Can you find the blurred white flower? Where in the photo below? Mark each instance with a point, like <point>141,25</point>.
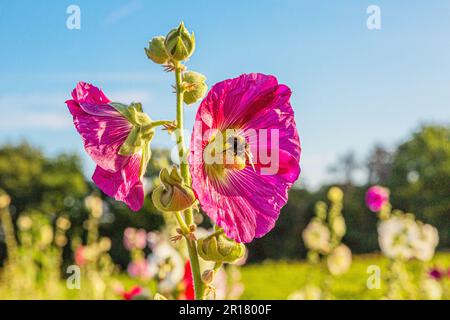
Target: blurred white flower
<point>316,236</point>
<point>340,260</point>
<point>167,265</point>
<point>426,242</point>
<point>153,238</point>
<point>308,293</point>
<point>432,289</point>
<point>403,237</point>
<point>395,236</point>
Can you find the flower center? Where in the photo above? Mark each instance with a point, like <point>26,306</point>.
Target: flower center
<point>226,151</point>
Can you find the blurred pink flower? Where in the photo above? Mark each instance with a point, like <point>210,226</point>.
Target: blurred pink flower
<point>139,269</point>
<point>79,256</point>
<point>244,197</point>
<point>104,129</point>
<point>437,273</point>
<point>376,198</point>
<point>133,238</point>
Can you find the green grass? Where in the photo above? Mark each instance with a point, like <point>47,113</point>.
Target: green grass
<point>276,280</point>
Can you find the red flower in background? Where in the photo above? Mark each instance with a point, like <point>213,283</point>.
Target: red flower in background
<point>132,293</point>
<point>188,282</point>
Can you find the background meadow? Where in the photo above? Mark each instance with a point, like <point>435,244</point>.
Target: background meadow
<point>371,106</point>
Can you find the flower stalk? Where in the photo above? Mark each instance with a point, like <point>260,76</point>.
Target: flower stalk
<point>7,224</point>
<point>188,213</point>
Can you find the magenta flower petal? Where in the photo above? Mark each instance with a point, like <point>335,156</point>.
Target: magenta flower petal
<point>88,94</point>
<point>104,130</point>
<point>246,202</point>
<point>123,185</point>
<point>376,198</point>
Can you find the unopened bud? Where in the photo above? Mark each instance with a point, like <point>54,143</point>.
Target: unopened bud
<point>179,43</point>
<point>60,240</point>
<point>195,87</point>
<point>5,200</point>
<point>173,194</point>
<point>105,244</point>
<point>24,223</point>
<point>156,50</point>
<point>46,235</point>
<point>94,205</point>
<point>338,226</point>
<point>219,248</point>
<point>63,223</point>
<point>335,194</point>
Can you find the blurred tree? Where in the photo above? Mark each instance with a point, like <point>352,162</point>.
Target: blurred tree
<point>379,165</point>
<point>35,182</point>
<point>56,186</point>
<point>420,181</point>
<point>285,240</point>
<point>345,168</point>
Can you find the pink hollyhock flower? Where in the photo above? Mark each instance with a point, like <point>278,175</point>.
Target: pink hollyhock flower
<point>246,125</point>
<point>139,269</point>
<point>133,238</point>
<point>117,138</point>
<point>376,198</point>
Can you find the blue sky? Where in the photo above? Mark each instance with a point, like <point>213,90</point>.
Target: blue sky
<point>352,87</point>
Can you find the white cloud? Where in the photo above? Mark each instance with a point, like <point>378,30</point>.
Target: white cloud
<point>47,111</point>
<point>92,77</point>
<point>131,96</point>
<point>122,12</point>
<point>314,169</point>
<point>28,121</point>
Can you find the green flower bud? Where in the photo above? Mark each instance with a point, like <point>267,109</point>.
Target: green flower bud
<point>179,44</point>
<point>335,194</point>
<point>156,50</point>
<point>24,223</point>
<point>219,248</point>
<point>173,194</point>
<point>5,200</point>
<point>63,223</point>
<point>195,86</point>
<point>338,226</point>
<point>94,205</point>
<point>320,209</point>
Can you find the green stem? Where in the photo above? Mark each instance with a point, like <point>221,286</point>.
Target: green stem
<point>181,222</point>
<point>189,216</point>
<point>217,266</point>
<point>8,230</point>
<point>158,123</point>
